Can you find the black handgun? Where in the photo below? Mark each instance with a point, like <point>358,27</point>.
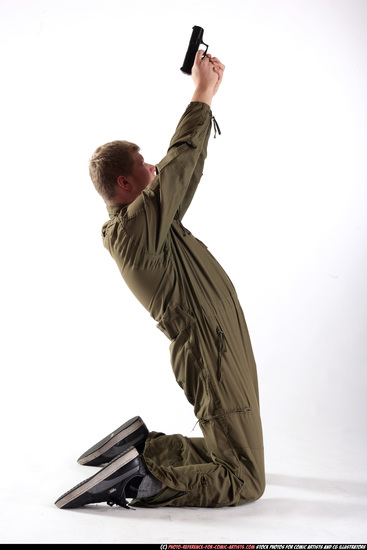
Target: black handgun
<point>195,41</point>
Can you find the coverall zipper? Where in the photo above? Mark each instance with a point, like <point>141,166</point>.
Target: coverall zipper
<point>221,350</point>
<point>204,489</point>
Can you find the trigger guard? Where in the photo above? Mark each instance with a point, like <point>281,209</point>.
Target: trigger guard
<point>207,46</point>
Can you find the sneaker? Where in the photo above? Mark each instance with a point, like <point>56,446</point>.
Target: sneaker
<point>107,485</point>
<point>133,433</point>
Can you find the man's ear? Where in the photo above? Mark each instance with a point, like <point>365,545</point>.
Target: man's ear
<point>123,183</point>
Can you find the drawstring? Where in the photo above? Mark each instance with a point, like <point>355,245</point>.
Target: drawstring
<point>216,127</point>
<point>222,415</point>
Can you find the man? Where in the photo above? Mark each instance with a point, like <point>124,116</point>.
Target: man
<point>195,304</point>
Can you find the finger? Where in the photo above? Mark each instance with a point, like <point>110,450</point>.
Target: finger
<point>206,58</point>
<point>219,73</point>
<point>199,55</point>
<point>218,69</point>
<point>217,63</point>
<point>216,60</point>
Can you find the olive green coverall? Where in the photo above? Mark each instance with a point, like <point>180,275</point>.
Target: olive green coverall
<point>192,299</point>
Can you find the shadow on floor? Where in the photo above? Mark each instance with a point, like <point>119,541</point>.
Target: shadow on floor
<point>319,485</point>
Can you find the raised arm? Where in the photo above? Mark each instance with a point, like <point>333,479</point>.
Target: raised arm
<point>179,172</point>
<point>207,75</point>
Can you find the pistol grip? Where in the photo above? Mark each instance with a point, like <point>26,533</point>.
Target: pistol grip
<point>195,41</point>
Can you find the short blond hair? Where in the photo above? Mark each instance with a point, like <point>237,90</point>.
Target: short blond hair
<point>108,162</point>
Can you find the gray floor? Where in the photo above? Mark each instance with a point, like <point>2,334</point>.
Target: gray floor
<point>309,498</point>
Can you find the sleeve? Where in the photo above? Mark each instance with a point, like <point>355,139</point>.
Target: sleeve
<point>178,175</point>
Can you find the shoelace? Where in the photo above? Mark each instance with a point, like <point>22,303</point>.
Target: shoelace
<point>119,502</point>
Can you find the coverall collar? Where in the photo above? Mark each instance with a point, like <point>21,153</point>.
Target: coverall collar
<point>114,209</point>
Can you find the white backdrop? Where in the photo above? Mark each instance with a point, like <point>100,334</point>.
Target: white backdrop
<point>282,205</point>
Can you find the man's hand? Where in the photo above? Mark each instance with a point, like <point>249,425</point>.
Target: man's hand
<point>207,74</point>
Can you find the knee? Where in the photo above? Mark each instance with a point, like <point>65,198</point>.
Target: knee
<point>253,488</point>
<point>260,487</point>
<point>258,481</point>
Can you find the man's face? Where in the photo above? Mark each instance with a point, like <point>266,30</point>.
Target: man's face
<point>143,173</point>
